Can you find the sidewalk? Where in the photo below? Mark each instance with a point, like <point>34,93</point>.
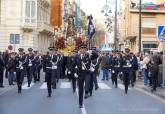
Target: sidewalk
<point>160,92</point>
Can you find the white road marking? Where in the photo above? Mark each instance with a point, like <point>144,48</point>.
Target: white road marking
<point>83,110</point>
<point>121,86</point>
<point>25,86</point>
<point>43,86</point>
<point>65,85</point>
<point>103,86</point>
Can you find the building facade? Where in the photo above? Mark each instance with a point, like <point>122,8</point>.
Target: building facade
<point>151,19</point>
<point>25,23</point>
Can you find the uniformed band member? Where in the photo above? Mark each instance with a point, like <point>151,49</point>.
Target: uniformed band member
<point>38,65</point>
<point>2,65</point>
<point>83,63</point>
<point>54,60</point>
<point>49,66</point>
<point>127,67</point>
<point>30,66</point>
<point>94,67</point>
<point>20,68</point>
<point>73,69</point>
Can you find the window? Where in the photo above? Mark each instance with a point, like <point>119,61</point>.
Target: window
<point>30,11</point>
<point>14,39</point>
<point>147,46</point>
<point>149,26</point>
<point>33,9</point>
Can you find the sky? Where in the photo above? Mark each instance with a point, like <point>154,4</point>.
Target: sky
<point>94,7</point>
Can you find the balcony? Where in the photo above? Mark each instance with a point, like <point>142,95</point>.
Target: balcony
<point>45,28</point>
<point>148,8</point>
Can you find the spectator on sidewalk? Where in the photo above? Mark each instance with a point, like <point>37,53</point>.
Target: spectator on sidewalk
<point>11,69</point>
<point>154,69</point>
<point>144,67</point>
<point>105,66</point>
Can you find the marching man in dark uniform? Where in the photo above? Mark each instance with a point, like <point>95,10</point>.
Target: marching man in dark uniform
<point>94,69</point>
<point>72,68</point>
<point>49,66</point>
<point>2,65</point>
<point>127,66</point>
<point>54,60</point>
<point>20,68</point>
<point>30,66</point>
<point>83,63</point>
<point>38,66</point>
<point>116,67</point>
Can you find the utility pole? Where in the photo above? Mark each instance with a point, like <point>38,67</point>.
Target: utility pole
<point>115,28</point>
<point>140,24</point>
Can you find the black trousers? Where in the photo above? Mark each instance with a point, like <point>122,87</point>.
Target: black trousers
<point>126,80</point>
<point>38,72</point>
<point>154,78</point>
<point>1,77</point>
<point>20,78</point>
<point>54,78</point>
<point>93,81</point>
<point>49,81</point>
<point>133,76</point>
<point>73,81</point>
<point>84,78</point>
<point>29,74</point>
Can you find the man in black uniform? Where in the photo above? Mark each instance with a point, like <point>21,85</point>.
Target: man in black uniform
<point>94,69</point>
<point>72,68</point>
<point>127,69</point>
<point>54,60</point>
<point>48,61</point>
<point>30,66</point>
<point>2,65</point>
<point>115,68</point>
<point>21,60</point>
<point>83,63</point>
<point>38,65</point>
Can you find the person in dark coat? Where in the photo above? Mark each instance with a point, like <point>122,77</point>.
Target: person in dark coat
<point>2,65</point>
<point>11,67</point>
<point>154,69</point>
<point>6,59</point>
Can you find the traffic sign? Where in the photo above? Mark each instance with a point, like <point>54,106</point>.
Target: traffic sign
<point>161,32</point>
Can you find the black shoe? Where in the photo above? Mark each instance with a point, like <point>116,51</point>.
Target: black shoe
<point>116,86</point>
<point>49,95</point>
<point>97,88</point>
<point>103,79</point>
<point>28,85</point>
<point>86,96</point>
<point>19,91</point>
<point>90,94</point>
<point>1,86</point>
<point>107,79</point>
<point>74,90</point>
<point>80,106</point>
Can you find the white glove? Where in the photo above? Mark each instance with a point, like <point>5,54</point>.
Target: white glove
<point>75,75</point>
<point>69,72</point>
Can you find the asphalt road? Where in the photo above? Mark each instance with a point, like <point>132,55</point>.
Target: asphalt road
<point>106,100</point>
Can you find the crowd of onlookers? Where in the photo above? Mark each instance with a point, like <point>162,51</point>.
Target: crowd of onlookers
<point>149,65</point>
